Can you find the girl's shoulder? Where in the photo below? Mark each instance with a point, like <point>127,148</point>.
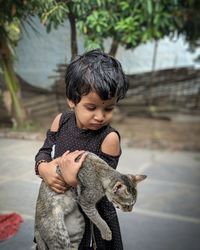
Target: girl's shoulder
<point>66,116</point>
<point>109,131</point>
<point>60,120</point>
<point>110,149</point>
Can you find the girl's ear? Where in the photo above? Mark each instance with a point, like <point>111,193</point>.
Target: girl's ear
<point>71,104</point>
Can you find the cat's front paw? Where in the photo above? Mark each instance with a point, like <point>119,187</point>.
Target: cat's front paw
<point>107,234</point>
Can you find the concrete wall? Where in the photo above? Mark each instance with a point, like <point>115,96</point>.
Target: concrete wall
<point>39,53</point>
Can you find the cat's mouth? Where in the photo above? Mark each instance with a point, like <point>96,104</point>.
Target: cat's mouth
<point>124,207</point>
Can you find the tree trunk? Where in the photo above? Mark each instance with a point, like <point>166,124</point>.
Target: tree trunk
<point>72,21</point>
<point>151,83</point>
<point>114,47</point>
<point>154,55</point>
<point>18,111</point>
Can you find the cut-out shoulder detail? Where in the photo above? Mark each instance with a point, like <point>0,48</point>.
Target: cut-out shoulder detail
<point>111,144</point>
<point>55,123</point>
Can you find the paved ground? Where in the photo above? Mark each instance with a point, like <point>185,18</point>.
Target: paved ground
<point>166,215</point>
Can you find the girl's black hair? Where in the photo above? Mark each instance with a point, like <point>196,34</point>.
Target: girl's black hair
<point>95,71</point>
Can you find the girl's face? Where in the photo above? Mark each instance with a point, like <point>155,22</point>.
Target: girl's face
<point>92,112</point>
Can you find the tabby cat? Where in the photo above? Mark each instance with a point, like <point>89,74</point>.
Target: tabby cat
<point>59,225</point>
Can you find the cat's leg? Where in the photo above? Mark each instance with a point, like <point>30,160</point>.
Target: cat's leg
<point>59,235</point>
<point>75,225</point>
<point>95,217</point>
<point>40,243</point>
<point>74,246</point>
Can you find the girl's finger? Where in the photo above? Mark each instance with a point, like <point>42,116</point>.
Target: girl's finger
<point>60,182</point>
<point>82,157</point>
<point>62,158</point>
<point>60,178</point>
<point>66,153</point>
<point>59,187</point>
<point>57,190</point>
<point>78,155</point>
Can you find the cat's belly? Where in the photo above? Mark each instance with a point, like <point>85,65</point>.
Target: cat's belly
<point>73,218</point>
<point>75,224</point>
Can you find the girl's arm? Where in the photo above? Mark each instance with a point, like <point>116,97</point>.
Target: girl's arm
<point>44,154</point>
<point>47,171</point>
<point>69,168</point>
<point>111,149</point>
<point>111,144</point>
<point>69,165</point>
<point>46,167</point>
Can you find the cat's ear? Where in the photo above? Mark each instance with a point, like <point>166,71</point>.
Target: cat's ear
<point>137,178</point>
<point>119,187</point>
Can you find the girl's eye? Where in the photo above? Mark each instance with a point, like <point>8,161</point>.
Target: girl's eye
<point>90,108</point>
<point>109,109</point>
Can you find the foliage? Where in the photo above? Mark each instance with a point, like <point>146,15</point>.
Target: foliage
<point>189,27</point>
<point>128,22</point>
<point>53,13</point>
<point>12,14</point>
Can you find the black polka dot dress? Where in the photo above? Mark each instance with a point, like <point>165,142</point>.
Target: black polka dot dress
<point>70,137</point>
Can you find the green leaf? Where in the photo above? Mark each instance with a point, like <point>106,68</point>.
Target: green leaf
<point>149,7</point>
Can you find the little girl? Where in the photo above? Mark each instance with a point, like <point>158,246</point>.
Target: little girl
<point>95,82</point>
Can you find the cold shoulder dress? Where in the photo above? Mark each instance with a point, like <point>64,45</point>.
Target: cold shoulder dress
<point>70,137</point>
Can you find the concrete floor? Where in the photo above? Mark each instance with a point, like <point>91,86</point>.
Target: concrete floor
<point>167,212</point>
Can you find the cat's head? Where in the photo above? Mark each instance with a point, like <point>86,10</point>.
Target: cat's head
<point>124,193</point>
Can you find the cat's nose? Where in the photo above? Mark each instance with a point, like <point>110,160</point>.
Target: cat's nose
<point>130,208</point>
<point>127,208</point>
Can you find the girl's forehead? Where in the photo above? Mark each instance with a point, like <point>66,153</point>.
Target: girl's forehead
<point>92,97</point>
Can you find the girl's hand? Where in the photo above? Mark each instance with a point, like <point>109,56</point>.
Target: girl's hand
<point>47,171</point>
<point>69,164</point>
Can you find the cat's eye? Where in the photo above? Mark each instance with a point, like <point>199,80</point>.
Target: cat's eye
<point>118,186</point>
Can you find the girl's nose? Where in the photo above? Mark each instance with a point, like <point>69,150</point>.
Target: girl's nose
<point>99,116</point>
